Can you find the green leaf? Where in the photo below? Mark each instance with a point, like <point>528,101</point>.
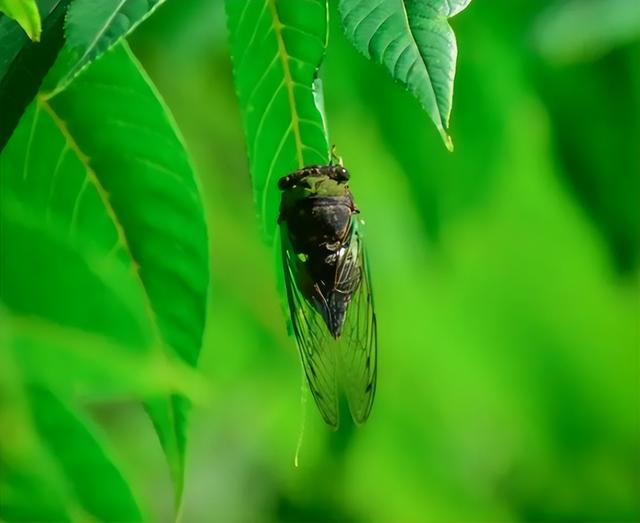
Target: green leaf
<point>49,357</point>
<point>277,47</point>
<point>51,267</point>
<point>582,29</point>
<point>76,363</point>
<point>94,479</point>
<point>91,28</point>
<point>23,63</point>
<point>127,199</point>
<point>26,13</point>
<point>414,41</point>
<point>31,491</point>
<point>56,468</point>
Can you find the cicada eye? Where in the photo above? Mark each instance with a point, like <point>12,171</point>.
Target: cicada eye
<point>285,183</point>
<point>342,175</point>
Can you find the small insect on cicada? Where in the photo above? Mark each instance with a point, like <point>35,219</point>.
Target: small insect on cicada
<point>329,289</point>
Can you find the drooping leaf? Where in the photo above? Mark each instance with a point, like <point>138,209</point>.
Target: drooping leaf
<point>277,47</point>
<point>53,466</point>
<point>76,363</point>
<point>93,478</point>
<point>31,491</point>
<point>127,197</point>
<point>72,363</point>
<point>414,41</point>
<point>26,13</point>
<point>457,184</point>
<point>23,63</point>
<point>91,28</point>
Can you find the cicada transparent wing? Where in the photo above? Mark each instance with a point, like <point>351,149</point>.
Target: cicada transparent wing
<point>315,344</point>
<point>358,344</point>
<point>351,360</point>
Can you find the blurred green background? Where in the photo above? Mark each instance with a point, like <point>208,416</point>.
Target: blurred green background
<point>506,280</point>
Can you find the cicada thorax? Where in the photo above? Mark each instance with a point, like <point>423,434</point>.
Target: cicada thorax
<point>319,222</point>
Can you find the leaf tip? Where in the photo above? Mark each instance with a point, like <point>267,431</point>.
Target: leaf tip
<point>34,32</point>
<point>178,491</point>
<point>27,17</point>
<point>448,142</point>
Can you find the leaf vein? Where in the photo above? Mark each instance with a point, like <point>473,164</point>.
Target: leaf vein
<point>276,155</point>
<point>27,154</point>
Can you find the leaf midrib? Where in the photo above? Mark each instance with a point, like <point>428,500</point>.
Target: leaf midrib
<point>405,14</point>
<point>289,83</point>
<point>103,28</point>
<point>43,101</point>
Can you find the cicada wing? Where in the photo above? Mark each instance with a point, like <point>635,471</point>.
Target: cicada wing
<point>358,347</point>
<point>315,344</point>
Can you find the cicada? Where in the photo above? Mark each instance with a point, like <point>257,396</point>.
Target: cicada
<point>329,289</point>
